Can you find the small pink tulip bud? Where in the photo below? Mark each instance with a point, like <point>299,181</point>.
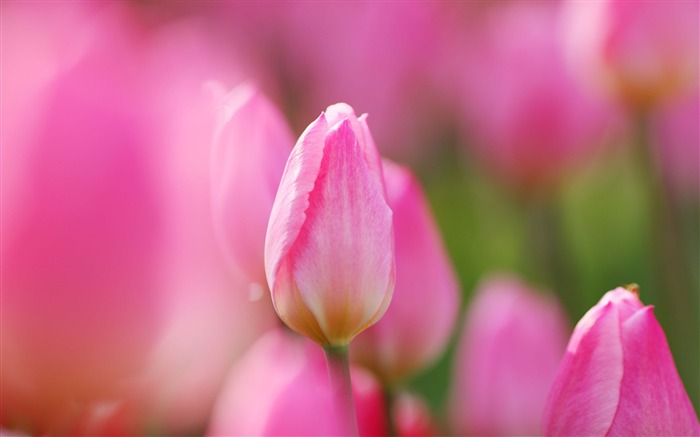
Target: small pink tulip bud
<point>641,51</point>
<point>618,376</point>
<point>280,387</point>
<point>508,356</point>
<point>417,325</point>
<point>329,252</point>
<point>251,146</point>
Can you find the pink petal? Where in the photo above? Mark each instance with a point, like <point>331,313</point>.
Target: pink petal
<point>586,392</point>
<point>652,398</point>
<point>347,215</point>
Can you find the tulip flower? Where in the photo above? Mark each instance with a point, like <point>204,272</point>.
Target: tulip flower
<point>329,251</point>
<point>280,387</point>
<point>420,319</point>
<point>251,146</point>
<point>83,233</point>
<point>641,51</point>
<point>507,358</point>
<point>412,417</point>
<point>618,376</point>
<point>526,115</point>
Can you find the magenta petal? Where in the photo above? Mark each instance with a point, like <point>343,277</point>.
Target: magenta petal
<point>586,392</point>
<point>652,399</point>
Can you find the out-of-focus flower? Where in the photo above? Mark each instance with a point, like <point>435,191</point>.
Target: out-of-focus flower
<point>420,319</point>
<point>618,376</point>
<point>525,114</point>
<point>281,387</point>
<point>329,250</point>
<point>412,417</point>
<point>508,356</point>
<point>677,142</point>
<point>119,312</point>
<point>82,230</point>
<point>641,51</point>
<point>251,147</point>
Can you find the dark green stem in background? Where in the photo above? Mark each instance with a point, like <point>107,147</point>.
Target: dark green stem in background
<point>545,254</point>
<point>389,398</point>
<point>338,363</point>
<point>675,290</point>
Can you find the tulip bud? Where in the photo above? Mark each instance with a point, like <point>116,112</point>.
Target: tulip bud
<point>281,387</point>
<point>251,145</point>
<point>424,308</point>
<point>641,51</point>
<point>329,251</point>
<point>618,376</point>
<point>508,356</point>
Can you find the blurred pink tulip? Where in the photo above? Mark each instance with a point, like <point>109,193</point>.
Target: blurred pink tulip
<point>329,250</point>
<point>507,359</point>
<point>412,417</point>
<point>251,147</point>
<point>280,387</point>
<point>416,327</point>
<point>84,229</point>
<point>618,376</point>
<point>676,136</point>
<point>641,51</point>
<point>526,116</point>
<point>118,311</point>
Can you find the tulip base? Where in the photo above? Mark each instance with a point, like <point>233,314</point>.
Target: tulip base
<point>338,363</point>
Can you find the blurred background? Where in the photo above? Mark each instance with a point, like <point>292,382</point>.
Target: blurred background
<point>556,142</point>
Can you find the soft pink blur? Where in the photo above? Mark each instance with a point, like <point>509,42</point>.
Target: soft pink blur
<point>416,327</point>
<point>329,250</point>
<point>113,284</point>
<point>525,116</point>
<point>412,417</point>
<point>507,358</point>
<point>618,376</point>
<point>251,147</point>
<point>640,51</point>
<point>676,136</point>
<point>280,387</point>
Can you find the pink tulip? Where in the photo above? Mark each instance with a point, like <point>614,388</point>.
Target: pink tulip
<point>420,319</point>
<point>526,116</point>
<point>618,376</point>
<point>511,345</point>
<point>251,147</point>
<point>412,417</point>
<point>329,251</point>
<point>119,313</point>
<point>281,387</point>
<point>83,232</point>
<point>641,51</point>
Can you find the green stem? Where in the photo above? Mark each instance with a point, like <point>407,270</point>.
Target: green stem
<point>338,363</point>
<point>676,290</point>
<point>389,399</point>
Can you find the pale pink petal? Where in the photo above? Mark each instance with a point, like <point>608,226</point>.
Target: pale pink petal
<point>347,215</point>
<point>251,147</point>
<point>289,210</point>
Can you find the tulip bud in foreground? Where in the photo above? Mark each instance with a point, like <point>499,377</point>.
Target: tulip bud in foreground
<point>618,376</point>
<point>329,251</point>
<point>280,387</point>
<point>418,324</point>
<point>507,359</point>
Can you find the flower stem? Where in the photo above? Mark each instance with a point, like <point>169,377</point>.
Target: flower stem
<point>338,363</point>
